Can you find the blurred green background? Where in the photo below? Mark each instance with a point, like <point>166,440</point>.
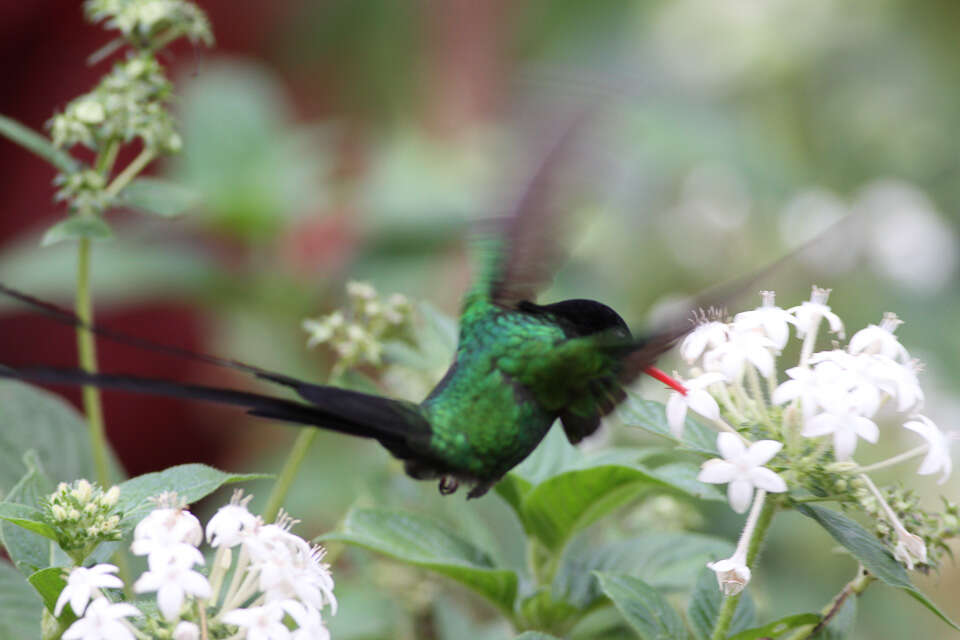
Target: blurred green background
<point>341,140</point>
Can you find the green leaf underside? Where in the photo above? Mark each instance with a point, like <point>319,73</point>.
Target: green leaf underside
<point>159,197</point>
<point>666,561</point>
<point>643,607</point>
<point>705,605</point>
<point>568,502</point>
<point>49,583</point>
<point>777,628</point>
<point>422,542</point>
<point>37,143</point>
<point>651,416</point>
<point>20,606</point>
<point>870,552</point>
<point>75,227</point>
<point>30,518</point>
<point>190,481</point>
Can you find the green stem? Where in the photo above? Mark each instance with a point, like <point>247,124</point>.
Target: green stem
<point>288,473</point>
<point>130,172</point>
<point>853,588</point>
<point>87,355</point>
<point>767,508</point>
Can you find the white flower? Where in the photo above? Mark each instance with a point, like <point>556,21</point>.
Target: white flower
<point>743,469</point>
<point>81,585</point>
<point>696,398</point>
<point>705,335</point>
<point>880,339</point>
<point>938,456</point>
<point>186,631</point>
<point>809,313</point>
<point>261,623</point>
<point>733,574</point>
<point>165,527</point>
<point>310,625</point>
<point>842,419</point>
<point>769,319</point>
<point>289,568</point>
<point>227,526</point>
<point>172,577</point>
<point>897,380</point>
<point>103,621</point>
<point>731,357</point>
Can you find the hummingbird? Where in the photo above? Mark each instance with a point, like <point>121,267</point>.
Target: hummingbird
<point>519,366</point>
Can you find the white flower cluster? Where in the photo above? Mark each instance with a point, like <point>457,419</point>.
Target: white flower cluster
<point>275,574</point>
<point>812,420</point>
<point>357,336</point>
<point>83,515</point>
<point>138,20</point>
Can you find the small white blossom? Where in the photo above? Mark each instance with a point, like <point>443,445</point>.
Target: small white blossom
<point>842,419</point>
<point>731,357</point>
<point>81,585</point>
<point>742,469</point>
<point>938,456</point>
<point>260,623</point>
<point>172,577</point>
<point>696,398</point>
<point>706,335</point>
<point>186,631</point>
<point>733,574</point>
<point>880,339</point>
<point>103,621</point>
<point>309,624</point>
<point>910,549</point>
<point>809,313</point>
<point>227,527</point>
<point>769,319</point>
<point>165,527</point>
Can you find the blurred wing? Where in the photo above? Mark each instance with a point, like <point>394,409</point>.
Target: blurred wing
<point>532,240</point>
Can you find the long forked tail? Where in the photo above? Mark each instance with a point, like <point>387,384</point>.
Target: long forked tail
<point>67,317</point>
<point>393,423</point>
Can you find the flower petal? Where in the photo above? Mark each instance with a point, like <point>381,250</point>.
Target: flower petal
<point>717,471</point>
<point>676,413</point>
<point>730,445</point>
<point>763,478</point>
<point>762,451</point>
<point>740,493</point>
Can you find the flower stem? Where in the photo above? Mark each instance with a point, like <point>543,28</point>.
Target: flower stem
<point>288,473</point>
<point>130,172</point>
<point>87,355</point>
<point>889,462</point>
<point>758,522</point>
<point>853,588</point>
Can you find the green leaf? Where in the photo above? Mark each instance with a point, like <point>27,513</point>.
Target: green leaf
<point>778,627</point>
<point>93,227</point>
<point>667,561</point>
<point>513,489</point>
<point>542,610</point>
<point>422,542</point>
<point>20,606</point>
<point>30,518</point>
<point>643,607</point>
<point>49,583</point>
<point>553,456</point>
<point>535,635</point>
<point>871,553</point>
<point>651,416</point>
<point>34,419</point>
<point>570,501</point>
<point>705,605</point>
<point>160,197</point>
<point>190,481</point>
<point>28,551</point>
<point>38,144</point>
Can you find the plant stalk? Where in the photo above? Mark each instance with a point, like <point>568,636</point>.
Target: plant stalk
<point>288,473</point>
<point>760,527</point>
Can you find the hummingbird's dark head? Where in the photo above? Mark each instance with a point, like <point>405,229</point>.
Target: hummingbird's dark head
<point>584,317</point>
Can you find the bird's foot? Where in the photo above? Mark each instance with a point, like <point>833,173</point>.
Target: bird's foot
<point>448,484</point>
